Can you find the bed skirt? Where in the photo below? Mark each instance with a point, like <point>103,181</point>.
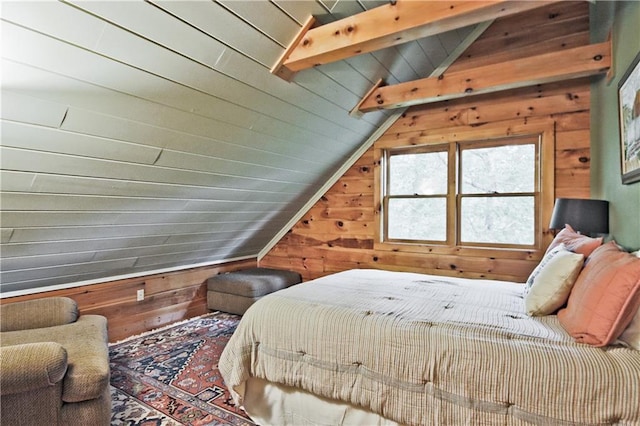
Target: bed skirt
<point>275,404</point>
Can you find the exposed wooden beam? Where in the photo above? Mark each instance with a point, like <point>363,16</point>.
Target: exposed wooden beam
<point>278,68</point>
<point>450,59</point>
<point>355,112</point>
<point>398,22</point>
<point>612,72</point>
<point>546,68</point>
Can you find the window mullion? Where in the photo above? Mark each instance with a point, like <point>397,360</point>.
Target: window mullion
<point>453,217</point>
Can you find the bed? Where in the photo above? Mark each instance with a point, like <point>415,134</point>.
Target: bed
<point>381,347</point>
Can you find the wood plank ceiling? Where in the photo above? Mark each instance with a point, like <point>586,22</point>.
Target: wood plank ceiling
<point>139,136</point>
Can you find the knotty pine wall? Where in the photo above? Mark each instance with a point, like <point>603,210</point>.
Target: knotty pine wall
<point>337,233</point>
<point>168,298</point>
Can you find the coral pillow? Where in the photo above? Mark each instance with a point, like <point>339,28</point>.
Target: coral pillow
<point>575,242</point>
<point>604,298</point>
<point>549,285</point>
<point>631,335</point>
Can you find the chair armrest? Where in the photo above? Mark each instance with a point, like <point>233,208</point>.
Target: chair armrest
<point>88,372</point>
<point>31,366</point>
<point>38,313</point>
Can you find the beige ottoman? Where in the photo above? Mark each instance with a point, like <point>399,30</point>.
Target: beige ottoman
<point>235,291</point>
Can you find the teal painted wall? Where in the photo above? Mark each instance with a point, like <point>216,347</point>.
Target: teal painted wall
<point>606,184</point>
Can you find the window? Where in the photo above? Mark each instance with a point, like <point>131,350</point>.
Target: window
<point>416,195</point>
<point>497,193</point>
<point>466,193</point>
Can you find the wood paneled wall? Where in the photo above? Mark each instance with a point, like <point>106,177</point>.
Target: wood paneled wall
<point>338,231</point>
<point>168,298</point>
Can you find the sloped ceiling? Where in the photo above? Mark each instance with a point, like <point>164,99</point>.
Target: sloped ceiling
<point>140,136</point>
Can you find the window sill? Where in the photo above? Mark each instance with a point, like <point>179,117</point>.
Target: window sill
<point>535,254</point>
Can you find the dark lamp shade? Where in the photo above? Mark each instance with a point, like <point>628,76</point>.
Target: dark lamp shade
<point>585,216</point>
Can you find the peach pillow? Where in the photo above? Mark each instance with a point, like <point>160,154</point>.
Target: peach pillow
<point>631,335</point>
<point>575,242</point>
<point>604,298</point>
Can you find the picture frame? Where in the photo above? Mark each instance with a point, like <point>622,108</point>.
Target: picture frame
<point>629,114</point>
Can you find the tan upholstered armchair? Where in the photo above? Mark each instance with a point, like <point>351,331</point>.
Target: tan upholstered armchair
<point>54,364</point>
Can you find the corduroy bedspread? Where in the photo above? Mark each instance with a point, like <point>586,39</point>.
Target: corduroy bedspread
<point>431,350</point>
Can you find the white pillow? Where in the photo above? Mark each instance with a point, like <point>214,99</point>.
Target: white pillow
<point>631,335</point>
<point>549,285</point>
<point>636,253</point>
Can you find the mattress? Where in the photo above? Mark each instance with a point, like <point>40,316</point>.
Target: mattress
<point>420,349</point>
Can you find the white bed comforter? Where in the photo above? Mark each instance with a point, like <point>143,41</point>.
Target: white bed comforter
<point>421,349</point>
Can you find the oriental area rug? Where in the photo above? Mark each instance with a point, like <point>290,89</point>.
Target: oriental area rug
<point>170,376</point>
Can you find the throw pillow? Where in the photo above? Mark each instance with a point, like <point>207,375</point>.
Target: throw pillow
<point>604,298</point>
<point>550,283</point>
<point>631,335</point>
<point>575,242</point>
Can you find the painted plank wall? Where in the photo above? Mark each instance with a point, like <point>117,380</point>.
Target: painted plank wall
<point>337,233</point>
<point>139,136</point>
